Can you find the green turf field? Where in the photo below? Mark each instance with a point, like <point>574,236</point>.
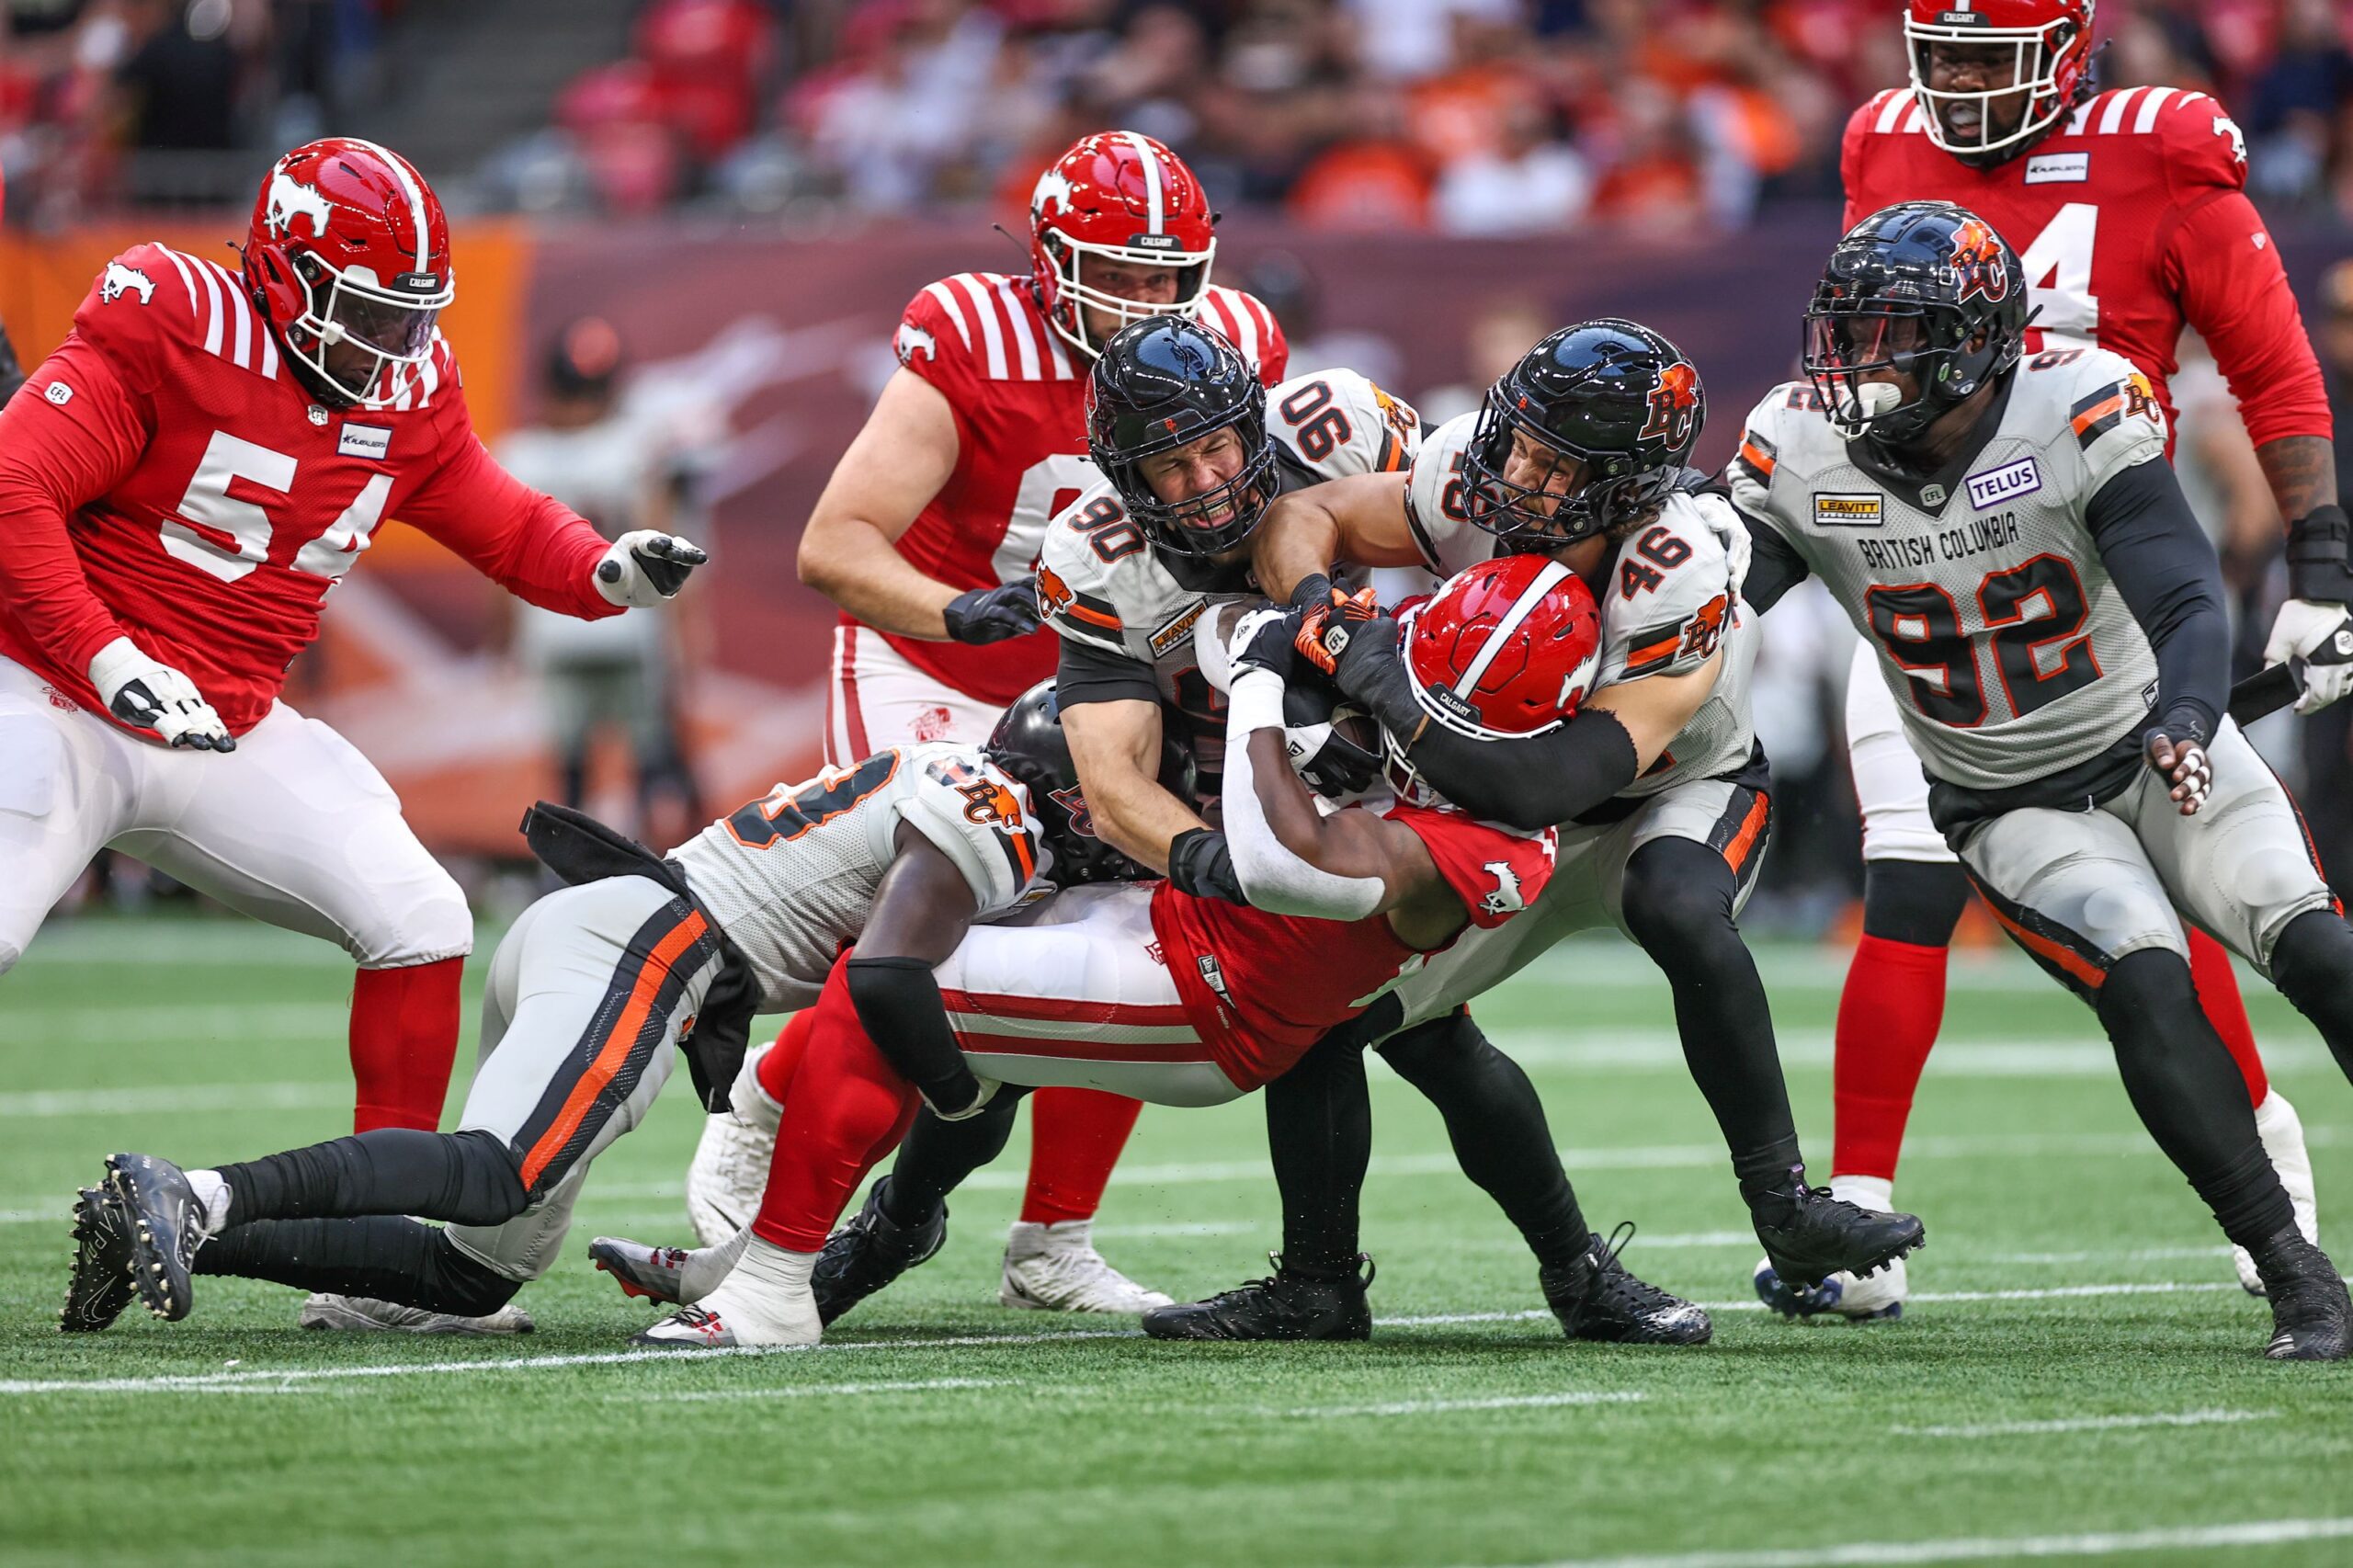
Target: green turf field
<point>2079,1375</point>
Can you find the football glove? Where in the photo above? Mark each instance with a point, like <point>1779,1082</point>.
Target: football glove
<point>2184,764</point>
<point>644,567</point>
<point>1201,864</point>
<point>1263,640</point>
<point>1325,629</point>
<point>992,615</point>
<point>137,690</point>
<point>2322,636</point>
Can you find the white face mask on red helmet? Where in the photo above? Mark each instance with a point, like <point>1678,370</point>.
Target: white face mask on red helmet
<point>349,250</point>
<point>1120,198</point>
<point>2050,47</point>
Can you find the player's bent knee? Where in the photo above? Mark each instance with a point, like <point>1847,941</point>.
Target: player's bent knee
<point>456,1283</point>
<point>1425,1048</point>
<point>490,1175</point>
<point>1915,902</point>
<point>1679,895</point>
<point>433,925</point>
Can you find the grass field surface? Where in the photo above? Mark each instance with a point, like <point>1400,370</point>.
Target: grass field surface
<point>2078,1376</point>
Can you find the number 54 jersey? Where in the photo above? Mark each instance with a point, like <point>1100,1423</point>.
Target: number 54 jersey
<point>2010,653</point>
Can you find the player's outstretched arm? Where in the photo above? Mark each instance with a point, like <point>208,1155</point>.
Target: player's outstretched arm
<point>921,911</point>
<point>1360,519</point>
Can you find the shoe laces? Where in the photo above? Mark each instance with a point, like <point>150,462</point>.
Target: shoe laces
<point>1621,1286</point>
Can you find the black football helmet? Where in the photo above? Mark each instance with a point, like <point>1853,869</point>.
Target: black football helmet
<point>1165,382</point>
<point>1613,395</point>
<point>1029,744</point>
<point>1923,289</point>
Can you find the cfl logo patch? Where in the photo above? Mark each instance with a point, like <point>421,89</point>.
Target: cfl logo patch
<point>58,394</point>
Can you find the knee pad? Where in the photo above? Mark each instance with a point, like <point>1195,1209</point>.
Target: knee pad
<point>1677,893</point>
<point>1915,902</point>
<point>461,1285</point>
<point>424,920</point>
<point>2314,951</point>
<point>2152,982</point>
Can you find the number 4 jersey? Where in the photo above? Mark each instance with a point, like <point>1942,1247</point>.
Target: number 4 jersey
<point>2010,653</point>
<point>165,477</point>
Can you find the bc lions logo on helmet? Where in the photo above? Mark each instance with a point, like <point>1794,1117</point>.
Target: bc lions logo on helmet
<point>289,199</point>
<point>1977,261</point>
<point>1675,404</point>
<point>1082,817</point>
<point>120,280</point>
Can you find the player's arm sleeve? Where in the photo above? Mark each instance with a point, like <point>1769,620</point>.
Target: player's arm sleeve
<point>55,458</point>
<point>1274,877</point>
<point>1085,673</point>
<point>2164,567</point>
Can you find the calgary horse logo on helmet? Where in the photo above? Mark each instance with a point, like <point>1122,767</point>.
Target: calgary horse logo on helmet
<point>1977,261</point>
<point>1675,404</point>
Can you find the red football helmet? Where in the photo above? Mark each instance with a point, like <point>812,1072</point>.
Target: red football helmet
<point>2050,42</point>
<point>1125,198</point>
<point>1505,650</point>
<point>348,245</point>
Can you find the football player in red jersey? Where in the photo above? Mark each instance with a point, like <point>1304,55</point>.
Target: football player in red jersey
<point>927,536</point>
<point>184,479</point>
<point>2128,209</point>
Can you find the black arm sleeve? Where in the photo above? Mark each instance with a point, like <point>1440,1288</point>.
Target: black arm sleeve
<point>2166,571</point>
<point>1526,784</point>
<point>1774,566</point>
<point>1084,674</point>
<point>899,1006</point>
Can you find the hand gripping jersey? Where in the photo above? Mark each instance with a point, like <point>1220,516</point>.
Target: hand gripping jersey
<point>1103,585</point>
<point>790,877</point>
<point>2010,653</point>
<point>1262,988</point>
<point>2131,219</point>
<point>1665,599</point>
<point>1018,394</point>
<point>209,503</point>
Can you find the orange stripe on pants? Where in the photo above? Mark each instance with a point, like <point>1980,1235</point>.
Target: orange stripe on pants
<point>2074,963</point>
<point>1736,852</point>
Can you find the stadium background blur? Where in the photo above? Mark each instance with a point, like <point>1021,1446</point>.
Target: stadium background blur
<point>749,193</point>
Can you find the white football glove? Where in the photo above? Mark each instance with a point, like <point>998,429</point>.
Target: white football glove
<point>2321,635</point>
<point>137,690</point>
<point>644,567</point>
<point>1725,522</point>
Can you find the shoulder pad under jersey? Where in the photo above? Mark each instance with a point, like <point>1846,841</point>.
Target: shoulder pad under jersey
<point>1336,423</point>
<point>1449,541</point>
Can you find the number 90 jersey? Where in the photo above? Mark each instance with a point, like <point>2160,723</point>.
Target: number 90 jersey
<point>790,877</point>
<point>2010,653</point>
<point>1666,604</point>
<point>1103,586</point>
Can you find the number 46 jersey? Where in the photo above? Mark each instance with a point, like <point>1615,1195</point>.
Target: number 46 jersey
<point>2010,652</point>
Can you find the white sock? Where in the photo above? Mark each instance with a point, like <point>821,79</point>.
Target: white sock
<point>750,1103</point>
<point>1874,1193</point>
<point>212,1199</point>
<point>706,1267</point>
<point>765,1281</point>
<point>1036,1235</point>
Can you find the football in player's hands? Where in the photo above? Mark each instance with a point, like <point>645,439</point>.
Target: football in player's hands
<point>2183,765</point>
<point>139,690</point>
<point>646,566</point>
<point>992,615</point>
<point>2322,636</point>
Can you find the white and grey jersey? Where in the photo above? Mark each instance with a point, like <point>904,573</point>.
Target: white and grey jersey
<point>2010,651</point>
<point>1665,597</point>
<point>790,877</point>
<point>1103,586</point>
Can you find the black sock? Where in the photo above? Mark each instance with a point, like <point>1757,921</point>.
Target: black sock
<point>2312,963</point>
<point>1319,1139</point>
<point>383,1257</point>
<point>937,1156</point>
<point>1678,897</point>
<point>468,1178</point>
<point>2189,1094</point>
<point>1496,1122</point>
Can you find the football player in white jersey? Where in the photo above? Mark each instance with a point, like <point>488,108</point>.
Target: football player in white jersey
<point>1194,449</point>
<point>586,996</point>
<point>1659,787</point>
<point>2008,538</point>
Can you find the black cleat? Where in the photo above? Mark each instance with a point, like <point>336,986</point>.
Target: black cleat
<point>166,1230</point>
<point>1285,1305</point>
<point>1823,1234</point>
<point>1595,1298</point>
<point>101,1286</point>
<point>2311,1320</point>
<point>869,1252</point>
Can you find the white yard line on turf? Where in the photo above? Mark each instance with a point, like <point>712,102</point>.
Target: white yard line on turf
<point>2114,1543</point>
<point>164,1099</point>
<point>1601,1049</point>
<point>2088,1423</point>
<point>820,1391</point>
<point>1439,1406</point>
<point>2128,1254</point>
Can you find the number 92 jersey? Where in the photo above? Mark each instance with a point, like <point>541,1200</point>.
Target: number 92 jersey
<point>790,877</point>
<point>2009,651</point>
<point>1666,604</point>
<point>1102,586</point>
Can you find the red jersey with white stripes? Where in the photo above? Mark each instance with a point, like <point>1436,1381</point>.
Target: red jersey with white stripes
<point>1018,394</point>
<point>164,476</point>
<point>2132,219</point>
<point>1261,988</point>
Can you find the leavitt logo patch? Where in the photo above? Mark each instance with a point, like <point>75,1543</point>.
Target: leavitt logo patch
<point>1856,511</point>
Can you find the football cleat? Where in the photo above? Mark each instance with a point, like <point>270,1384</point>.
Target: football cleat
<point>869,1252</point>
<point>100,1286</point>
<point>1822,1235</point>
<point>730,1170</point>
<point>1596,1297</point>
<point>738,1313</point>
<point>649,1273</point>
<point>362,1314</point>
<point>1877,1299</point>
<point>1284,1305</point>
<point>688,1328</point>
<point>1055,1269</point>
<point>2283,1139</point>
<point>2311,1318</point>
<point>167,1227</point>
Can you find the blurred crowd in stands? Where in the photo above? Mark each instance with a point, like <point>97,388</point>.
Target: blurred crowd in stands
<point>1461,116</point>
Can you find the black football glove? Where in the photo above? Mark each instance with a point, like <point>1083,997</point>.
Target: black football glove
<point>1264,640</point>
<point>1201,864</point>
<point>992,615</point>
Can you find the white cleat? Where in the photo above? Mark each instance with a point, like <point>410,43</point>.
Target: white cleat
<point>2282,1132</point>
<point>1866,1299</point>
<point>1055,1269</point>
<point>358,1314</point>
<point>730,1171</point>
